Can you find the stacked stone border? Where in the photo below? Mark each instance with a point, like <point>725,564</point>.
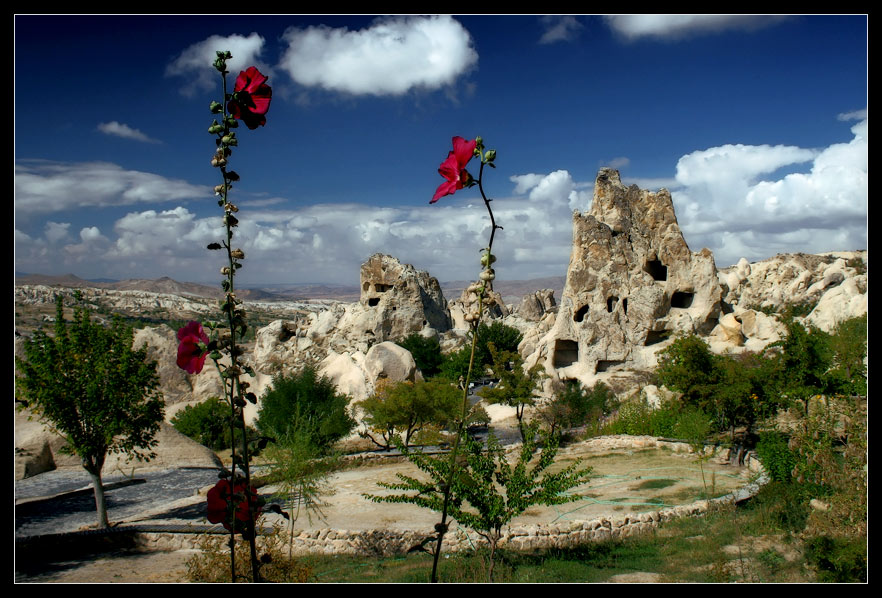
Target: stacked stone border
<point>386,542</point>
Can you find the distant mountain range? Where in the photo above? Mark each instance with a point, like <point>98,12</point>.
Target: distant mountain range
<point>512,290</point>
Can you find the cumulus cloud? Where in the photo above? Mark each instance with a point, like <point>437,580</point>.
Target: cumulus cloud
<point>559,28</point>
<point>678,26</point>
<point>43,187</point>
<point>391,57</point>
<point>195,62</point>
<point>118,129</point>
<point>328,243</point>
<point>56,231</point>
<point>727,206</point>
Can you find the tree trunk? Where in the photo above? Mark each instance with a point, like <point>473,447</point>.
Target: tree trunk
<point>94,468</point>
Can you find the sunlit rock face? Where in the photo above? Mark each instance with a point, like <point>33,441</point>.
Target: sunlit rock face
<point>399,299</point>
<point>631,282</point>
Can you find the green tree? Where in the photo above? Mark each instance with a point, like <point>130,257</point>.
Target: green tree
<point>300,471</point>
<point>406,408</point>
<point>689,367</point>
<point>305,401</point>
<point>849,346</point>
<point>517,387</point>
<point>488,492</point>
<point>574,405</point>
<point>91,387</point>
<point>505,338</point>
<point>208,423</point>
<point>803,364</point>
<point>426,353</point>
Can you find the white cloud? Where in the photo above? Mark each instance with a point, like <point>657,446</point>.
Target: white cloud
<point>43,187</point>
<point>56,231</point>
<point>678,26</point>
<point>391,57</point>
<point>853,115</point>
<point>726,206</point>
<point>118,129</point>
<point>620,162</point>
<point>195,62</point>
<point>559,28</point>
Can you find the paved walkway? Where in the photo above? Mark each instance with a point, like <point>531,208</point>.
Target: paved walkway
<point>63,501</point>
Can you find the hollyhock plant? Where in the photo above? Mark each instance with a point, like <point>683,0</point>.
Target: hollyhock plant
<point>453,168</point>
<point>219,499</point>
<point>251,98</point>
<point>193,348</point>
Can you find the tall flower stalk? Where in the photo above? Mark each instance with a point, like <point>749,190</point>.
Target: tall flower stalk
<point>233,501</point>
<point>479,295</point>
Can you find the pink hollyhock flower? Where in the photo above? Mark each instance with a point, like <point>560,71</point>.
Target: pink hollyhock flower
<point>192,349</point>
<point>453,168</point>
<point>218,499</point>
<point>253,97</point>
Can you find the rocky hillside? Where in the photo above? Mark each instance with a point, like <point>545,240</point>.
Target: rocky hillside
<point>632,284</point>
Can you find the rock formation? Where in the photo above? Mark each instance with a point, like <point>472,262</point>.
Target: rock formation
<point>631,282</point>
<point>535,305</point>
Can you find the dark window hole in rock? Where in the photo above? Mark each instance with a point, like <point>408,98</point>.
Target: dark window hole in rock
<point>374,301</point>
<point>655,336</point>
<point>607,365</point>
<point>682,299</point>
<point>656,269</point>
<point>566,352</point>
<point>580,314</point>
<point>625,305</point>
<point>611,303</point>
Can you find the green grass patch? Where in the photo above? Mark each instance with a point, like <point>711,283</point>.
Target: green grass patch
<point>654,484</point>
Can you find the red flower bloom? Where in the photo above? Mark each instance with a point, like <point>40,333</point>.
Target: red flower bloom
<point>453,168</point>
<point>219,498</point>
<point>251,98</point>
<point>192,351</point>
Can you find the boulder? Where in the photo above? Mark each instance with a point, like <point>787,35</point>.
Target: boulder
<point>389,361</point>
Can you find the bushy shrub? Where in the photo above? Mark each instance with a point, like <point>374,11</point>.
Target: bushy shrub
<point>426,353</point>
<point>574,405</point>
<point>671,420</point>
<point>503,338</point>
<point>212,563</point>
<point>207,423</point>
<point>838,560</point>
<point>776,456</point>
<point>305,401</point>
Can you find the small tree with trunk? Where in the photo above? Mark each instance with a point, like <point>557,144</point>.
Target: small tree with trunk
<point>517,387</point>
<point>91,387</point>
<point>489,491</point>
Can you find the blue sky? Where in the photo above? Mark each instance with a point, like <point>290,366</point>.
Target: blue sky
<point>757,125</point>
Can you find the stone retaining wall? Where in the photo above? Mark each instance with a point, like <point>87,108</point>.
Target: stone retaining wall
<point>386,542</point>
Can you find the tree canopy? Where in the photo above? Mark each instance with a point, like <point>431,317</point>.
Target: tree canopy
<point>91,387</point>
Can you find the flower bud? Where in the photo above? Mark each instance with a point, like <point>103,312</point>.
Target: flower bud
<point>490,155</point>
<point>488,275</point>
<point>231,208</point>
<point>238,254</point>
<point>225,271</point>
<point>216,107</point>
<point>219,189</point>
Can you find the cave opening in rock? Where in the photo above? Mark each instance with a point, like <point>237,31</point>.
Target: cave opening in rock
<point>656,269</point>
<point>566,352</point>
<point>682,299</point>
<point>625,305</point>
<point>611,303</point>
<point>382,288</point>
<point>374,301</point>
<point>580,314</point>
